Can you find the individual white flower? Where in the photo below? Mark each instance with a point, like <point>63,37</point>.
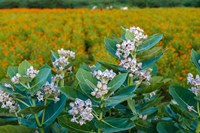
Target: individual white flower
<point>31,72</point>
<point>15,79</point>
<point>81,111</point>
<point>190,108</point>
<point>9,86</point>
<point>195,90</point>
<point>143,117</point>
<point>40,96</point>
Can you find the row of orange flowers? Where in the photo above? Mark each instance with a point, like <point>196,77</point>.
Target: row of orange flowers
<point>32,33</point>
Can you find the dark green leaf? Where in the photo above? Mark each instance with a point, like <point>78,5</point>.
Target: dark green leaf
<point>15,129</point>
<point>53,110</point>
<point>149,42</point>
<point>40,79</point>
<point>111,46</point>
<point>31,110</point>
<point>115,68</point>
<point>65,121</point>
<point>195,57</point>
<point>166,127</point>
<point>183,97</point>
<point>115,124</point>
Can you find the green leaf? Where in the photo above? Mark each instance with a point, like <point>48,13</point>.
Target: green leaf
<point>111,46</point>
<point>183,97</point>
<point>12,71</point>
<point>15,129</point>
<point>54,56</point>
<point>22,69</point>
<point>65,121</point>
<point>149,42</point>
<point>166,127</point>
<point>145,126</point>
<point>115,68</point>
<point>149,111</point>
<point>40,79</point>
<point>117,82</point>
<point>72,93</point>
<point>8,122</point>
<point>53,110</point>
<point>120,96</point>
<point>83,77</point>
<point>129,35</point>
<point>150,62</point>
<point>31,110</point>
<point>195,57</point>
<point>111,124</point>
<point>150,53</point>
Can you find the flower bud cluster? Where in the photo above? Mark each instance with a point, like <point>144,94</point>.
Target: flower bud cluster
<point>8,102</point>
<point>195,82</point>
<point>139,35</point>
<point>15,79</point>
<point>9,86</point>
<point>31,72</point>
<point>104,78</point>
<point>81,111</point>
<point>63,60</point>
<point>49,89</point>
<point>132,65</point>
<point>125,49</point>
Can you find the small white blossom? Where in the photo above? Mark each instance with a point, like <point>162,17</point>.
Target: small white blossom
<point>195,82</point>
<point>66,53</point>
<point>81,111</point>
<point>190,108</point>
<point>31,72</point>
<point>40,96</point>
<point>15,79</point>
<point>143,117</point>
<point>9,86</point>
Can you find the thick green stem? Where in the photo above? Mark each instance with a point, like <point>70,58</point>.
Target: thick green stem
<point>198,126</point>
<point>43,115</point>
<point>62,82</point>
<point>101,113</point>
<point>22,102</point>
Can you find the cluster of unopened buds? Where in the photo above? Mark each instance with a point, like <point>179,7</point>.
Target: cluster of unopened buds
<point>103,79</point>
<point>31,73</point>
<point>139,35</point>
<point>81,111</point>
<point>8,102</point>
<point>49,89</point>
<point>63,60</point>
<point>195,82</point>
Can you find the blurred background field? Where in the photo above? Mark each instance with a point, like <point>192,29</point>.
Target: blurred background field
<point>31,34</point>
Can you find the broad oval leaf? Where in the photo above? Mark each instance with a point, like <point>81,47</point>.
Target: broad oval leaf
<point>53,110</point>
<point>111,124</point>
<point>183,97</point>
<point>166,127</point>
<point>22,69</point>
<point>15,129</point>
<point>149,42</point>
<point>195,57</point>
<point>12,71</point>
<point>111,46</point>
<point>129,35</point>
<point>115,68</point>
<point>65,121</point>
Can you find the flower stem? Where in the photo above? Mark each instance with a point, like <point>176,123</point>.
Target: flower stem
<point>22,102</point>
<point>43,115</point>
<point>198,126</point>
<point>62,82</point>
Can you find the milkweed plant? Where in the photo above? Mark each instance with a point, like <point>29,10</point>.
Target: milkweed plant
<point>103,97</point>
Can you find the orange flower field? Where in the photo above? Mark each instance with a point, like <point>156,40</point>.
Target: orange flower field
<point>32,33</point>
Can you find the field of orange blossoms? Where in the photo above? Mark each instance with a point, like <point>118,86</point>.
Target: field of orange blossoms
<point>31,34</point>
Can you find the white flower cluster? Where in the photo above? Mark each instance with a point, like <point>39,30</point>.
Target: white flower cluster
<point>139,35</point>
<point>63,60</point>
<point>132,65</point>
<point>104,78</point>
<point>15,79</point>
<point>8,102</point>
<point>195,82</point>
<point>31,72</point>
<point>125,49</point>
<point>81,111</point>
<point>48,89</point>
